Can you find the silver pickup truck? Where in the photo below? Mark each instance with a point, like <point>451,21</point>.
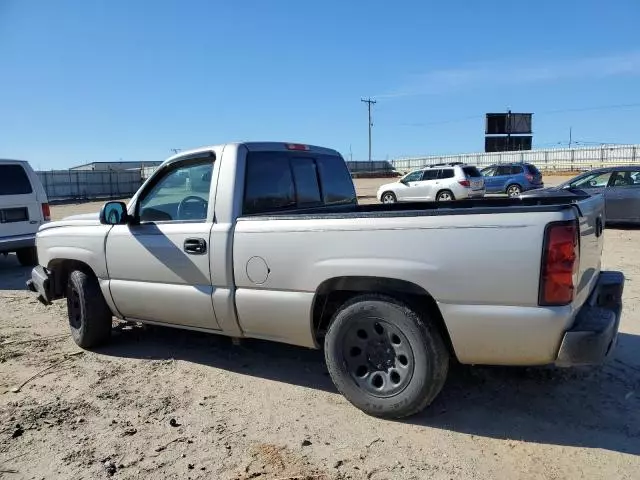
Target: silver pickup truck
<point>266,240</point>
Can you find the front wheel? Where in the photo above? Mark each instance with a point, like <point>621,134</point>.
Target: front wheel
<point>385,358</point>
<point>89,315</point>
<point>514,190</point>
<point>389,197</point>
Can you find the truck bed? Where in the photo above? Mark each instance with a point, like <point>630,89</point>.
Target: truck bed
<point>458,207</point>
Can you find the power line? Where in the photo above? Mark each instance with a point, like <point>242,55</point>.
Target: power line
<point>369,102</point>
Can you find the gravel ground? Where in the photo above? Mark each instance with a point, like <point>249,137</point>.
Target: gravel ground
<point>162,403</point>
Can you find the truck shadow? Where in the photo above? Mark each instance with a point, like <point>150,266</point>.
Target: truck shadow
<point>593,407</point>
<point>581,407</point>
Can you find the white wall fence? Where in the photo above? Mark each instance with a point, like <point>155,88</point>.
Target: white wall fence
<point>560,159</point>
<point>88,185</point>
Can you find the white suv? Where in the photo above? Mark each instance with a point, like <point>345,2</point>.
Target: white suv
<point>23,208</point>
<point>442,182</point>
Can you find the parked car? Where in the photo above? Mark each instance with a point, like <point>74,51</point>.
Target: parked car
<point>512,178</point>
<point>619,185</point>
<point>435,183</point>
<point>278,249</point>
<point>23,208</point>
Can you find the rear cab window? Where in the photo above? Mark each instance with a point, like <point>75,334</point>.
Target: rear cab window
<point>14,180</point>
<point>277,181</point>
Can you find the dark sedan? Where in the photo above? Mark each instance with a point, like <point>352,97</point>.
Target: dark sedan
<point>620,186</point>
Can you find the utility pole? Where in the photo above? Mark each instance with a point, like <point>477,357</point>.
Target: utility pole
<point>570,128</point>
<point>508,130</point>
<point>369,102</point>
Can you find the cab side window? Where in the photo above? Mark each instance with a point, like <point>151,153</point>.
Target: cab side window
<point>269,184</point>
<point>180,194</point>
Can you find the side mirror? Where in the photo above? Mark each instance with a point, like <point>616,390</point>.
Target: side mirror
<point>114,213</point>
<point>403,181</point>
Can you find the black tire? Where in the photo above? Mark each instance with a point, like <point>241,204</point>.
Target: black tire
<point>445,196</point>
<point>389,196</point>
<point>89,315</point>
<point>28,257</point>
<point>513,190</point>
<point>425,364</point>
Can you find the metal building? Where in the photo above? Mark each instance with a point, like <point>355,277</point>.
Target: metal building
<point>114,166</point>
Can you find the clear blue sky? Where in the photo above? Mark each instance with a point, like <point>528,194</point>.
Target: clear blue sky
<point>105,80</point>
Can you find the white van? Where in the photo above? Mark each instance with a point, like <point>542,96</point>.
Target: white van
<point>23,208</point>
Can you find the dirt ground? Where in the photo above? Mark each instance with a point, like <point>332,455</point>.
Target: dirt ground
<point>162,403</point>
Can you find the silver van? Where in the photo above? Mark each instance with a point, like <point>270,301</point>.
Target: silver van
<point>23,208</point>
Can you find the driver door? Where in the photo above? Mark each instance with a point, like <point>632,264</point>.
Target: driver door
<point>158,266</point>
<point>424,190</point>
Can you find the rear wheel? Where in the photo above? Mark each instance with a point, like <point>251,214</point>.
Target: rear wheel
<point>389,197</point>
<point>89,315</point>
<point>514,190</point>
<point>385,358</point>
<point>445,196</point>
<point>27,257</point>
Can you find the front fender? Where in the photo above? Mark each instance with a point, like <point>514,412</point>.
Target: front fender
<point>81,243</point>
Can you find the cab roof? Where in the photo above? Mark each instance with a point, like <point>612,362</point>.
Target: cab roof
<point>255,147</point>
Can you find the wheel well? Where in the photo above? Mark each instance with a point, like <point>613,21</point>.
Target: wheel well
<point>334,293</point>
<point>510,184</point>
<point>61,269</point>
<point>387,191</point>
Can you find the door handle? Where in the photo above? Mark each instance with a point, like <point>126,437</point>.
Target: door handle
<point>195,246</point>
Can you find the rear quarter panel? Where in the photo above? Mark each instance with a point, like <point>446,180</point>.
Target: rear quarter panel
<point>483,270</point>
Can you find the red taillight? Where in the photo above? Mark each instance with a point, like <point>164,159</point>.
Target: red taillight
<point>46,212</point>
<point>529,177</point>
<point>297,146</point>
<point>465,183</point>
<point>560,262</point>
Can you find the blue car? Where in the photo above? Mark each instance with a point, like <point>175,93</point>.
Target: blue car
<point>511,178</point>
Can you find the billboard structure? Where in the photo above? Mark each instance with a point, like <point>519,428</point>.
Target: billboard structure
<point>508,132</point>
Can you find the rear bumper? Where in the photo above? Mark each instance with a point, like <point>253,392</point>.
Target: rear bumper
<point>462,193</point>
<point>11,244</point>
<point>41,282</point>
<point>593,335</point>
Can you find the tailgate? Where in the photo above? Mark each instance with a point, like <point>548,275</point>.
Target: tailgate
<point>591,222</point>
